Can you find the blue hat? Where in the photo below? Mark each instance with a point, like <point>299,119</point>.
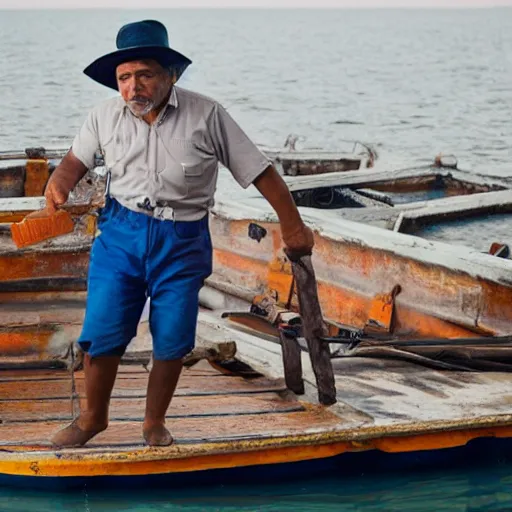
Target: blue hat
<point>137,41</point>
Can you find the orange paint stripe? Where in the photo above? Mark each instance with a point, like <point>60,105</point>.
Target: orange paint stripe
<point>24,343</point>
<point>10,217</point>
<point>338,304</point>
<point>81,465</point>
<point>33,265</point>
<point>36,176</point>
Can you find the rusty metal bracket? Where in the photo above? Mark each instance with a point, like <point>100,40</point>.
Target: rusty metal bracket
<point>381,315</point>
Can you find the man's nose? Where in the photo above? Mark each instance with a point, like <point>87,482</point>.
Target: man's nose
<point>135,85</point>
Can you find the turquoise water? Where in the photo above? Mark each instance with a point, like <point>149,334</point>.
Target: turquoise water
<point>476,489</point>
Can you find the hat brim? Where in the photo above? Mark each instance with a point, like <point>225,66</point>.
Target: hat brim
<point>103,70</point>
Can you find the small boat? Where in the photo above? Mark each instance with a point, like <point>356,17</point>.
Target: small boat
<point>417,334</point>
<point>290,162</point>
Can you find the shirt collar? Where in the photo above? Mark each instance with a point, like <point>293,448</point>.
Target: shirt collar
<point>173,98</point>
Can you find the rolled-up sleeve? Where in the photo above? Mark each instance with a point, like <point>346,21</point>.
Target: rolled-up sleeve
<point>86,141</point>
<point>234,149</point>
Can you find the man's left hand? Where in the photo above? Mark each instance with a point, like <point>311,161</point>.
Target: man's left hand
<point>298,242</point>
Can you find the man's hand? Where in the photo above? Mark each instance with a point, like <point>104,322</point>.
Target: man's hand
<point>63,180</point>
<point>56,194</point>
<point>298,242</point>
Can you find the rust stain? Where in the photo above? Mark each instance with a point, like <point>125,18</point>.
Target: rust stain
<point>14,343</point>
<point>43,264</point>
<point>10,217</point>
<point>348,274</point>
<point>36,176</point>
<point>380,318</point>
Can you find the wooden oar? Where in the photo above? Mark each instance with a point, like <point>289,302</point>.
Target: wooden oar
<point>313,327</point>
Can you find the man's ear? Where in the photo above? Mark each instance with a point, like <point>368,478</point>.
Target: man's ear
<point>173,75</point>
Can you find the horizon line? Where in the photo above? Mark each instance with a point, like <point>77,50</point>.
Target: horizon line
<point>261,7</point>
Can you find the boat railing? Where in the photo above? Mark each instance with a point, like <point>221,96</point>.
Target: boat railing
<point>33,154</point>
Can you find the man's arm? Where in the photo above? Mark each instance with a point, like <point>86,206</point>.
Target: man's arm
<point>297,237</point>
<point>63,180</point>
<point>245,161</point>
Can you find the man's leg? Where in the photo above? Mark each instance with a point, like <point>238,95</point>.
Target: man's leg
<point>115,299</point>
<point>162,383</point>
<point>178,269</point>
<point>100,375</point>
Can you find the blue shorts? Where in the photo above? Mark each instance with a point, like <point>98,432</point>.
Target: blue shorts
<point>136,256</point>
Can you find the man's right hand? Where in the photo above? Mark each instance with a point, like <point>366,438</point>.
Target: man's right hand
<point>63,180</point>
<point>56,194</point>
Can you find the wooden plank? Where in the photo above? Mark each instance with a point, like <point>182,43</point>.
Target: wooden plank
<point>383,179</point>
<point>22,153</point>
<point>12,181</point>
<point>21,204</point>
<point>125,372</point>
<point>30,264</point>
<point>292,363</point>
<point>136,387</point>
<point>313,329</point>
<point>37,173</point>
<point>458,207</point>
<point>32,313</point>
<point>36,410</point>
<point>184,430</point>
<point>133,410</point>
<point>23,390</point>
<point>190,386</point>
<point>45,284</point>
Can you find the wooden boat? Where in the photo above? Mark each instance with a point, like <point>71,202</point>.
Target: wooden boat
<point>413,327</point>
<point>291,162</point>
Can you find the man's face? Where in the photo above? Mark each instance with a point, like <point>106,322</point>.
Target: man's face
<point>143,84</point>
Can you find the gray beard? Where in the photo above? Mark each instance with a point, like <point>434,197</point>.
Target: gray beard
<point>138,112</point>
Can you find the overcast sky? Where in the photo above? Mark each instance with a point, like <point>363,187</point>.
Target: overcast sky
<point>141,4</point>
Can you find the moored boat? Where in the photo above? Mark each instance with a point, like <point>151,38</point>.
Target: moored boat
<point>292,162</point>
<point>413,327</point>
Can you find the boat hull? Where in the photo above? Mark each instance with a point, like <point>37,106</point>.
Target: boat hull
<point>483,452</point>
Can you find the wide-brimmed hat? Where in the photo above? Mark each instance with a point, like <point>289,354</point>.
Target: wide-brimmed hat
<point>146,39</point>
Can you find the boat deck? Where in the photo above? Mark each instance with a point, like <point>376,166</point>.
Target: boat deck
<point>225,420</point>
<point>208,407</point>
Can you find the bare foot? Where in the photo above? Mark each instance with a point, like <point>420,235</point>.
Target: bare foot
<point>75,434</point>
<point>157,435</point>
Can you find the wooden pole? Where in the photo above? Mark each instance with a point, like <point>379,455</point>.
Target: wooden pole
<point>313,328</point>
<point>292,362</point>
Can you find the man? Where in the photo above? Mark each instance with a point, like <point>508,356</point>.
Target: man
<point>161,145</point>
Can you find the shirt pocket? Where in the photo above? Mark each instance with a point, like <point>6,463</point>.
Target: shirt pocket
<point>183,167</point>
<point>193,171</point>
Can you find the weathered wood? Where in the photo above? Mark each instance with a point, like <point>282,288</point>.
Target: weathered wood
<point>136,387</point>
<point>313,329</point>
<point>292,363</point>
<point>449,208</point>
<point>304,165</point>
<point>46,284</point>
<point>125,372</point>
<point>37,173</point>
<point>12,181</point>
<point>38,152</point>
<point>184,430</point>
<point>133,410</point>
<point>398,180</point>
